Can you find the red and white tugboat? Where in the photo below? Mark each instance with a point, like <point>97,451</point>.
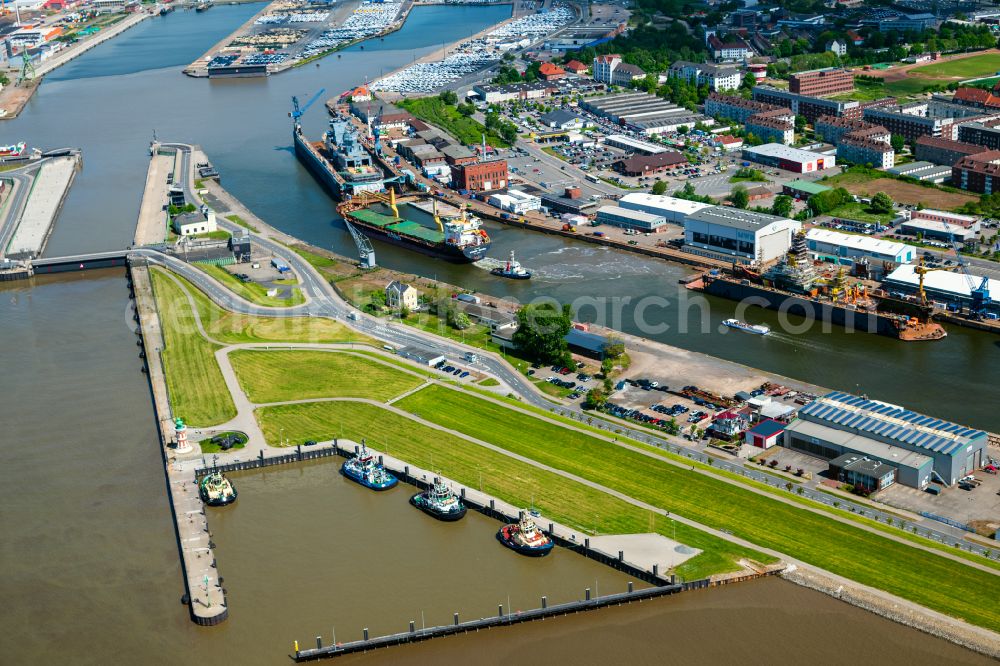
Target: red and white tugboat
<point>525,537</point>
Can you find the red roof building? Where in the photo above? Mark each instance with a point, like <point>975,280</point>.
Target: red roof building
<point>576,67</point>
<point>976,97</point>
<point>855,38</point>
<point>551,72</point>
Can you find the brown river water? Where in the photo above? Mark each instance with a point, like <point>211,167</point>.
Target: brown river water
<point>91,572</point>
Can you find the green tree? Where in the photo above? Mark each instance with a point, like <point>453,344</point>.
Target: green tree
<point>448,97</point>
<point>466,109</point>
<point>882,202</point>
<point>457,319</point>
<point>782,205</point>
<point>898,142</point>
<point>596,398</point>
<point>739,197</point>
<point>660,187</point>
<point>541,332</point>
<point>749,81</point>
<point>614,348</point>
<point>800,123</point>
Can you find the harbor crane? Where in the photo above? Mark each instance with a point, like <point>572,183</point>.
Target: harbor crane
<point>366,252</point>
<point>297,111</point>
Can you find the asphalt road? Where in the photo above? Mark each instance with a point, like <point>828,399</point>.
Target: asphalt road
<point>14,206</point>
<point>323,301</point>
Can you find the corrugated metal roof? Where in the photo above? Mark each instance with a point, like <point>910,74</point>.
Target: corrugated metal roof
<point>891,422</point>
<point>416,230</point>
<point>371,217</point>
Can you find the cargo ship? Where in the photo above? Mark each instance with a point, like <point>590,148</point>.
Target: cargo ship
<point>440,502</point>
<point>458,238</point>
<point>793,286</point>
<point>364,469</point>
<point>340,162</point>
<point>525,537</point>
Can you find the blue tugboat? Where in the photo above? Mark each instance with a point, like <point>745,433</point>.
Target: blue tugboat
<point>525,537</point>
<point>364,469</point>
<point>438,501</point>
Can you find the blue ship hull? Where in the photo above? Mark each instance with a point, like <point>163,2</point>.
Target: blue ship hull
<point>537,551</point>
<point>357,477</point>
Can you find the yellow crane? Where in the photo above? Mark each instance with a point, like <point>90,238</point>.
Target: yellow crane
<point>922,271</point>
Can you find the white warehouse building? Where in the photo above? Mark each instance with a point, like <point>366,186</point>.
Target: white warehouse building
<point>845,249</point>
<point>516,201</point>
<point>739,234</point>
<point>671,209</point>
<point>629,219</point>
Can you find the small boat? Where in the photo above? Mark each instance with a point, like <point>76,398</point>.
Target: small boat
<point>525,537</point>
<point>364,469</point>
<point>512,269</point>
<point>215,489</point>
<point>759,329</point>
<point>440,502</point>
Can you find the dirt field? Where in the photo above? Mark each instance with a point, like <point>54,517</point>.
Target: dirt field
<point>13,98</point>
<point>908,193</point>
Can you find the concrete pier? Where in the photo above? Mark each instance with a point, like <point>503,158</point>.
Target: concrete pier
<point>48,192</point>
<point>151,227</point>
<point>203,591</point>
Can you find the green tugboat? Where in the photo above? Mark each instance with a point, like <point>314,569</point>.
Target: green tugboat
<point>440,502</point>
<point>215,489</point>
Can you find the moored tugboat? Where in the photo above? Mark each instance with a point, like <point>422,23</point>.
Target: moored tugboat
<point>364,469</point>
<point>525,537</point>
<point>438,501</point>
<point>215,489</point>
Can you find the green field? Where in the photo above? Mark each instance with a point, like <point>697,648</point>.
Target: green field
<point>207,446</point>
<point>198,393</point>
<point>435,112</point>
<point>232,328</point>
<point>519,483</point>
<point>251,291</point>
<point>243,223</point>
<point>279,376</point>
<point>963,68</point>
<point>861,212</point>
<point>841,548</point>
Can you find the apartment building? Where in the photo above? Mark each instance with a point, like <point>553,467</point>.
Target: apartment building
<point>978,173</point>
<point>772,123</point>
<point>734,50</point>
<point>815,107</point>
<point>832,129</point>
<point>716,77</point>
<point>819,82</point>
<point>944,151</point>
<point>981,133</point>
<point>861,150</point>
<point>911,123</point>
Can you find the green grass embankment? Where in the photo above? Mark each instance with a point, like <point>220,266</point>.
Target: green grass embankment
<point>198,392</point>
<point>562,499</point>
<point>844,549</point>
<point>279,376</point>
<point>233,328</point>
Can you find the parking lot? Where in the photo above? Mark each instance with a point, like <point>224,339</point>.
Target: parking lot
<point>965,506</point>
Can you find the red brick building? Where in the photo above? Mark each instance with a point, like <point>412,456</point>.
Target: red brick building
<point>576,67</point>
<point>480,177</point>
<point>978,173</point>
<point>821,82</point>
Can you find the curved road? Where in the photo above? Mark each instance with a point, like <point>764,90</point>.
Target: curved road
<point>324,301</point>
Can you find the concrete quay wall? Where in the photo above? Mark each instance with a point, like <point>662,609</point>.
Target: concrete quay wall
<point>203,591</point>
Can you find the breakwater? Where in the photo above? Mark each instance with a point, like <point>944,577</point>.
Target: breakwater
<point>203,592</point>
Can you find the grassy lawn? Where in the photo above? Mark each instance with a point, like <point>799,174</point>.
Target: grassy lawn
<point>278,376</point>
<point>963,68</point>
<point>236,219</point>
<point>251,291</point>
<point>198,393</point>
<point>230,327</point>
<point>841,548</point>
<point>432,110</point>
<point>220,234</point>
<point>489,381</point>
<point>208,447</point>
<point>563,500</point>
<point>861,212</point>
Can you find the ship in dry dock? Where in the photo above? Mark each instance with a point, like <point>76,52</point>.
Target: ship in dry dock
<point>794,285</point>
<point>340,162</point>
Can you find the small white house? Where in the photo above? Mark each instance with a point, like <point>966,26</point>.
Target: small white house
<point>199,222</point>
<point>399,295</point>
<point>838,47</point>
